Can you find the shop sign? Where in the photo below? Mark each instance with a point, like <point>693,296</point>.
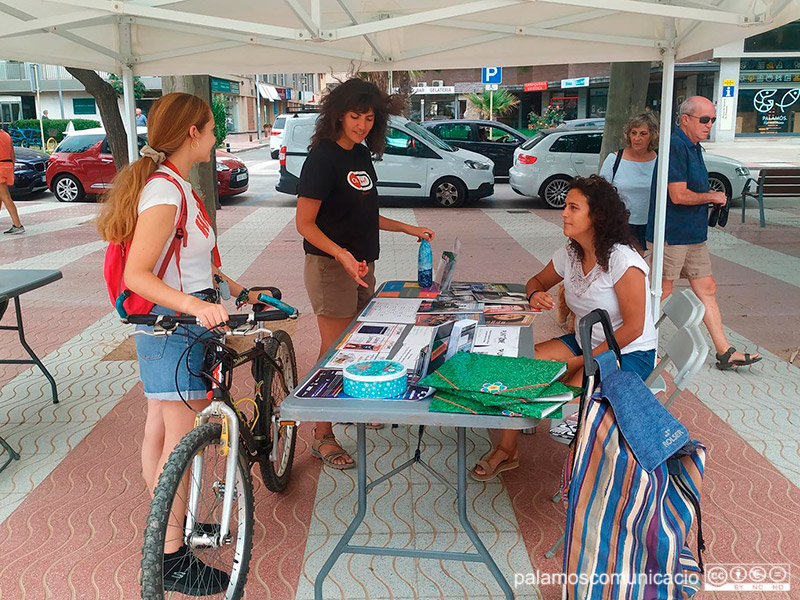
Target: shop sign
<point>224,86</point>
<point>535,86</point>
<point>769,77</point>
<point>575,83</point>
<point>282,93</point>
<point>439,89</point>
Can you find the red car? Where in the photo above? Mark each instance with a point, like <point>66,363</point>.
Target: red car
<point>82,166</point>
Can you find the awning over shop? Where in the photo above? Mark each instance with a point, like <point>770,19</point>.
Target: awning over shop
<point>268,92</point>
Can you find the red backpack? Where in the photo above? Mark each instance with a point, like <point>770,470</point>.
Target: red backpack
<point>123,300</point>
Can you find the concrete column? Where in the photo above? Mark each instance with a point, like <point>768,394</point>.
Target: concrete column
<point>725,127</point>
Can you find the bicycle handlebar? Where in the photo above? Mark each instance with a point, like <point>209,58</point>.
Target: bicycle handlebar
<point>233,322</point>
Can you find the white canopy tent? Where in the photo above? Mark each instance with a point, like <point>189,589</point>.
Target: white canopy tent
<point>165,37</point>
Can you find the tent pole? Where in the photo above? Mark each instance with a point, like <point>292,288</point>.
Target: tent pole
<point>667,81</point>
<point>128,97</point>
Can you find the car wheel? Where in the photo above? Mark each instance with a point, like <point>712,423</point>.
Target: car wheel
<point>274,153</point>
<point>68,189</point>
<point>719,183</point>
<point>554,191</point>
<point>449,192</point>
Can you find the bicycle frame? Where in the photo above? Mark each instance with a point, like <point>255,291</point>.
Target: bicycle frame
<point>220,407</point>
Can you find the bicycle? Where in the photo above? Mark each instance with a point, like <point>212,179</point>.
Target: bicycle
<point>210,469</point>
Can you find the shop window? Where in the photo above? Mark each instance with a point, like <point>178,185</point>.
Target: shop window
<point>784,39</point>
<point>768,111</point>
<point>598,102</point>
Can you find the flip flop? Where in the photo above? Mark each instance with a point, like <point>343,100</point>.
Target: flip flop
<point>724,361</point>
<point>506,464</point>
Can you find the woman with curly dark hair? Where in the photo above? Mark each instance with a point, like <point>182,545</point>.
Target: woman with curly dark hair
<point>600,269</point>
<point>337,215</point>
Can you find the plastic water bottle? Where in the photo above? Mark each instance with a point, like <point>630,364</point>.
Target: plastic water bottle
<point>425,264</point>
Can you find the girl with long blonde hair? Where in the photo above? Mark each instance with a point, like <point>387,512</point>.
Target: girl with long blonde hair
<point>143,208</point>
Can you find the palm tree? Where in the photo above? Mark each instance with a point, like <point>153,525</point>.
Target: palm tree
<point>502,101</point>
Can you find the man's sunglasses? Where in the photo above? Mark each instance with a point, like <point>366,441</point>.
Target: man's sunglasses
<point>705,120</point>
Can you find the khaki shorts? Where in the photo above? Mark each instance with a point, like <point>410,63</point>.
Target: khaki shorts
<point>333,293</point>
<point>690,261</point>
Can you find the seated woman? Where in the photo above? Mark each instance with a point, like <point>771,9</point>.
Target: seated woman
<point>600,269</point>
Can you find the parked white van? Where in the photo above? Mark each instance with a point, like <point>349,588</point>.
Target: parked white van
<point>414,163</point>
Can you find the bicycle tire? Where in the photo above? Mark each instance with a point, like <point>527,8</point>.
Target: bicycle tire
<point>176,467</point>
<point>280,349</point>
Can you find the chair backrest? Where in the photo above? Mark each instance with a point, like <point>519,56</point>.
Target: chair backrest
<point>684,309</point>
<point>687,351</point>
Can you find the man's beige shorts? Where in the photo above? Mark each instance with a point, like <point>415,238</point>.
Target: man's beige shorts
<point>333,293</point>
<point>690,261</point>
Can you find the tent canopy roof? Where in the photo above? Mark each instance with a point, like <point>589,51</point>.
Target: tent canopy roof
<point>163,37</point>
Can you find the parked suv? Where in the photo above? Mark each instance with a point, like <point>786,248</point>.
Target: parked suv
<point>29,172</point>
<point>545,164</point>
<point>414,163</point>
<point>491,139</point>
<point>82,165</point>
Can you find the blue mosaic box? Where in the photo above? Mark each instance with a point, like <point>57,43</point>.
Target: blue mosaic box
<point>375,379</point>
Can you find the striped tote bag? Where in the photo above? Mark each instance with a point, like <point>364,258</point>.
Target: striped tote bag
<point>632,498</point>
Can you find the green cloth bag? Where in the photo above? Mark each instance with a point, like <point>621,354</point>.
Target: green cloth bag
<point>524,378</point>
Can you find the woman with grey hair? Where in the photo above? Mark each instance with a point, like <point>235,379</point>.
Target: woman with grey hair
<point>631,170</point>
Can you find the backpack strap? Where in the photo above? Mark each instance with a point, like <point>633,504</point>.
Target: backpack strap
<point>616,164</point>
<point>180,237</point>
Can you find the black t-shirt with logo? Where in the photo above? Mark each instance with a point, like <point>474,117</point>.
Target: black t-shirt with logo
<point>344,180</point>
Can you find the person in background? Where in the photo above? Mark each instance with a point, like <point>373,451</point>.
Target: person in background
<point>7,159</point>
<point>600,268</point>
<point>337,215</point>
<point>45,115</point>
<point>630,170</point>
<point>141,120</point>
<point>685,248</point>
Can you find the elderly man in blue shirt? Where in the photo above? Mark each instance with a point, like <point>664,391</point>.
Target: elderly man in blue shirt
<point>685,252</point>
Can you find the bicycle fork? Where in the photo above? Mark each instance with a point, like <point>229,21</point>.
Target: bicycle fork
<point>230,448</point>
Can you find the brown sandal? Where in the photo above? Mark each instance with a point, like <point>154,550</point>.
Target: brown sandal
<point>327,459</point>
<point>506,464</point>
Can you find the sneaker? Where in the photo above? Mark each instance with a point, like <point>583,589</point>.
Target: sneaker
<point>15,230</point>
<point>186,574</point>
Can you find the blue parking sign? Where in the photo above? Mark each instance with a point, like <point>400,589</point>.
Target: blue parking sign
<point>492,75</point>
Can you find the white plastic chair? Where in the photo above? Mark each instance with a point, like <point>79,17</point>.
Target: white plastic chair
<point>684,309</point>
<point>687,351</point>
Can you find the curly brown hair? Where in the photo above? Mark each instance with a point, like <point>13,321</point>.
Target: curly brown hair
<point>609,218</point>
<point>356,95</point>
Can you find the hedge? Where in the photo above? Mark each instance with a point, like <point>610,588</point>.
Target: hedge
<point>54,128</point>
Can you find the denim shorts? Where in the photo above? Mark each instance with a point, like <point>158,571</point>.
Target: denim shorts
<point>640,362</point>
<point>160,357</point>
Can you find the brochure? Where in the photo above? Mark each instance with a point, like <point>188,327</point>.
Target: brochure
<point>448,306</point>
<point>461,337</point>
<point>391,310</point>
<point>517,319</point>
<point>499,341</point>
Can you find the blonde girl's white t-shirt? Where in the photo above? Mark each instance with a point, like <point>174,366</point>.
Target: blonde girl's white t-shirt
<point>195,269</point>
<point>595,289</point>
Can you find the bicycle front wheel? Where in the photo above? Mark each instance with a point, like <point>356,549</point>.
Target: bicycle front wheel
<point>275,378</point>
<point>205,565</point>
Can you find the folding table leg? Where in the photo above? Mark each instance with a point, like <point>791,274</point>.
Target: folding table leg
<point>342,545</point>
<point>32,354</point>
<point>462,516</point>
<point>12,454</point>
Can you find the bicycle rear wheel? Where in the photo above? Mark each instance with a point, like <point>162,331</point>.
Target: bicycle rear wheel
<point>276,462</point>
<point>230,556</point>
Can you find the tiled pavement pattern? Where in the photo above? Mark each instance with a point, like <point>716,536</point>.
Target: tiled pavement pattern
<point>71,511</point>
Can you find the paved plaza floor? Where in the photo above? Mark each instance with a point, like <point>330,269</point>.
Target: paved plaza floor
<point>72,510</point>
